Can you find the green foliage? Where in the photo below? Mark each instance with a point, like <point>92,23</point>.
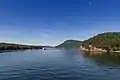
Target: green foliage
<point>70,44</point>
<point>9,46</point>
<point>109,41</point>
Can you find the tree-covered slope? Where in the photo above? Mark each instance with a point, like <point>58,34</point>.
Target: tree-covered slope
<point>108,41</point>
<point>70,44</point>
<point>11,46</point>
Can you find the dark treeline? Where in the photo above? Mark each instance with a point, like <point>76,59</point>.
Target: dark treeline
<point>9,46</point>
<point>109,41</point>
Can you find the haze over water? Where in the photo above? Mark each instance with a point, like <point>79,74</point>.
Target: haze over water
<point>58,65</point>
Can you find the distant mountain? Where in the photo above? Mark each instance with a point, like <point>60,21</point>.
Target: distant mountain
<point>108,41</point>
<point>12,46</point>
<point>70,44</point>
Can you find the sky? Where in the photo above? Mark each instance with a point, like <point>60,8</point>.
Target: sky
<point>50,22</point>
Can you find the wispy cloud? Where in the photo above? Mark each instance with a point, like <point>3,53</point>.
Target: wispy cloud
<point>45,35</point>
<point>43,30</point>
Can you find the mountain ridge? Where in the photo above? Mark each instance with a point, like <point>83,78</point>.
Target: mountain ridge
<point>70,44</point>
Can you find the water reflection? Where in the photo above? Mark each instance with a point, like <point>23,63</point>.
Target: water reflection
<point>58,65</point>
<point>105,59</point>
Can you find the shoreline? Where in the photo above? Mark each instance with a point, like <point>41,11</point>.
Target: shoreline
<point>2,51</point>
<point>87,50</point>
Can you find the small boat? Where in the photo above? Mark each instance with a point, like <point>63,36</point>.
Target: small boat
<point>43,48</point>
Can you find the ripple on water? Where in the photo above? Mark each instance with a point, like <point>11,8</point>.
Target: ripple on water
<point>62,65</point>
<point>7,75</point>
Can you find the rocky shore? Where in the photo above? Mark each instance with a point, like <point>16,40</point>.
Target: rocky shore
<point>92,49</point>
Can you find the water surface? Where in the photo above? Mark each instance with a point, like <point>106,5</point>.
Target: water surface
<point>58,65</point>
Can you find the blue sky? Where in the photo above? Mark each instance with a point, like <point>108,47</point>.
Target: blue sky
<point>50,22</point>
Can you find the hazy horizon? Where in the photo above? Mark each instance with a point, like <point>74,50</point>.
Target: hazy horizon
<point>50,22</point>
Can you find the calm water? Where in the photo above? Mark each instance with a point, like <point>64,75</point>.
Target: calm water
<point>58,65</point>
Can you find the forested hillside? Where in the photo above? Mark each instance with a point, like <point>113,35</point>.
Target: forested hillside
<point>70,44</point>
<point>10,46</point>
<point>108,41</point>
